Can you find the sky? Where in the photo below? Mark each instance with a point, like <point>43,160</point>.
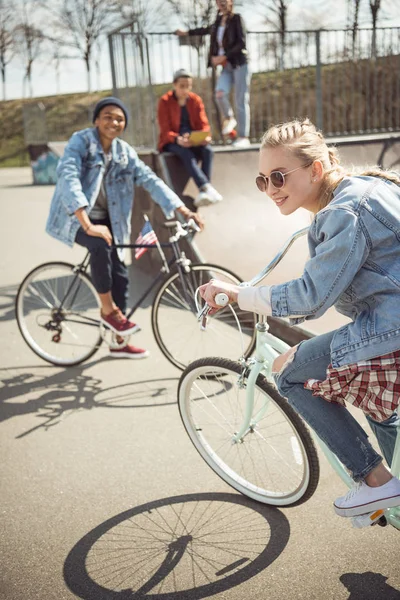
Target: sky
<point>302,14</point>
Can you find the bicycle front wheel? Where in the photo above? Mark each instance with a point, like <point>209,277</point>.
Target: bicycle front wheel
<point>177,330</point>
<point>57,311</point>
<point>275,462</point>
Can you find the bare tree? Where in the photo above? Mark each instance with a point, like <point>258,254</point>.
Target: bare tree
<point>78,25</point>
<point>275,16</point>
<point>193,13</point>
<point>6,39</point>
<point>374,6</point>
<point>354,16</point>
<point>148,16</point>
<point>28,40</point>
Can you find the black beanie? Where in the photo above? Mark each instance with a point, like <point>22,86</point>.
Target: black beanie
<point>110,100</point>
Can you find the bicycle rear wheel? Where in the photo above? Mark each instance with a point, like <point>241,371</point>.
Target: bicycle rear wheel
<point>177,330</point>
<point>276,461</point>
<point>57,311</point>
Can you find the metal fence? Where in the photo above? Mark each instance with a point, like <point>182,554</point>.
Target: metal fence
<point>345,82</point>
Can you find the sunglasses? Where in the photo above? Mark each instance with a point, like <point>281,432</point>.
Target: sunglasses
<point>277,178</point>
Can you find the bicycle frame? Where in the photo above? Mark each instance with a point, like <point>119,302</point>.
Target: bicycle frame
<point>268,347</point>
<point>178,259</point>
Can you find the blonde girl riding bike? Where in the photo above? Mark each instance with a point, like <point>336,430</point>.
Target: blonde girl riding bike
<point>354,265</point>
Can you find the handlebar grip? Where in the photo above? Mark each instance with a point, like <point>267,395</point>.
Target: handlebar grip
<point>221,299</point>
<point>193,225</point>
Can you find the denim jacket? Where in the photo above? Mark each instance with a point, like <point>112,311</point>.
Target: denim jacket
<point>80,173</point>
<point>354,265</point>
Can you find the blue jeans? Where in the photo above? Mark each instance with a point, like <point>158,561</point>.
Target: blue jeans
<point>109,273</point>
<point>191,157</point>
<point>332,422</point>
<point>240,79</point>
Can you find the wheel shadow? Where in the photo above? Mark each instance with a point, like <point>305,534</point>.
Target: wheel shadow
<point>369,586</point>
<point>183,547</point>
<point>8,294</point>
<point>53,396</point>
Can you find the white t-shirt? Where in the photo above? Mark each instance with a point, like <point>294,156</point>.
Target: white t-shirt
<point>220,36</point>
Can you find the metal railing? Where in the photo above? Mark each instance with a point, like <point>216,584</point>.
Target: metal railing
<point>346,83</point>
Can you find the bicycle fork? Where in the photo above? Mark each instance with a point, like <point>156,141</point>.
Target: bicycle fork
<point>265,354</point>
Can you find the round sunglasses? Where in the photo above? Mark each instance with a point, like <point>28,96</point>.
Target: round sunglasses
<point>277,178</point>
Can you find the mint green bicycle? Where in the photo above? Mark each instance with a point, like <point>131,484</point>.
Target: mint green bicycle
<point>248,434</point>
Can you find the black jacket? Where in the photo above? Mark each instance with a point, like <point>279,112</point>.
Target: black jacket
<point>234,40</point>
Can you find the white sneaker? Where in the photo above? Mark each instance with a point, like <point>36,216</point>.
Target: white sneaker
<point>228,126</point>
<point>362,498</point>
<point>241,142</point>
<point>212,193</point>
<point>202,199</point>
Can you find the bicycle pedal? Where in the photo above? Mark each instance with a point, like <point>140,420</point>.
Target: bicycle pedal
<point>368,519</point>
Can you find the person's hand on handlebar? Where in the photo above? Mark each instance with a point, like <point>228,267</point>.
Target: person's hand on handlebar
<point>209,290</point>
<point>101,231</point>
<point>188,214</point>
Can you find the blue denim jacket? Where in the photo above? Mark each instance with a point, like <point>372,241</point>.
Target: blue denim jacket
<point>354,265</point>
<point>80,173</point>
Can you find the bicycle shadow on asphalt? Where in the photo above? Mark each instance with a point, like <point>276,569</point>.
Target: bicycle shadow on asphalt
<point>8,294</point>
<point>71,390</point>
<point>184,547</point>
<point>368,586</point>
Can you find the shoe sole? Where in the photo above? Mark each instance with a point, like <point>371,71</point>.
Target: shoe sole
<point>121,333</point>
<point>203,202</point>
<point>362,509</point>
<point>229,130</point>
<point>207,202</point>
<point>127,355</point>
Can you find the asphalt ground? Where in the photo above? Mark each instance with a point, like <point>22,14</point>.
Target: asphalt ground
<point>103,495</point>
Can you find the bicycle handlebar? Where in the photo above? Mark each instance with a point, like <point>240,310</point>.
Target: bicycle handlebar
<point>275,261</point>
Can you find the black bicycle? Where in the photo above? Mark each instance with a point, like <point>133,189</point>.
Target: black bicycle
<point>58,309</point>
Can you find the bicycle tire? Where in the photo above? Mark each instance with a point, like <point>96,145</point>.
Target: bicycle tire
<point>276,463</point>
<point>36,301</point>
<point>172,313</point>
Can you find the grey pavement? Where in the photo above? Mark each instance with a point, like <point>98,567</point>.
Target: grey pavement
<point>103,495</point>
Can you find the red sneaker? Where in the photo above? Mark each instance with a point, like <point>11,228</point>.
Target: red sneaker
<point>118,323</point>
<point>129,351</point>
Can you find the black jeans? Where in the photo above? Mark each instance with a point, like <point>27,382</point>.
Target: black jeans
<point>109,273</point>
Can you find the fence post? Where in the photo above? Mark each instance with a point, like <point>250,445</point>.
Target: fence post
<point>112,62</point>
<point>152,99</point>
<point>318,80</point>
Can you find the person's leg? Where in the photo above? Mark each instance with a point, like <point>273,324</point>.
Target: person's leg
<point>222,91</point>
<point>120,282</point>
<point>189,160</point>
<point>205,155</point>
<point>242,77</point>
<point>333,423</point>
<point>101,270</point>
<point>100,264</point>
<point>386,433</point>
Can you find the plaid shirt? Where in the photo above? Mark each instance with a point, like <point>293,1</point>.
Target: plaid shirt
<point>372,385</point>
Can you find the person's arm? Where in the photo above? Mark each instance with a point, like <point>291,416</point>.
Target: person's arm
<point>341,250</point>
<point>195,31</point>
<point>167,134</point>
<point>240,41</point>
<point>159,191</point>
<point>93,230</point>
<point>69,171</point>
